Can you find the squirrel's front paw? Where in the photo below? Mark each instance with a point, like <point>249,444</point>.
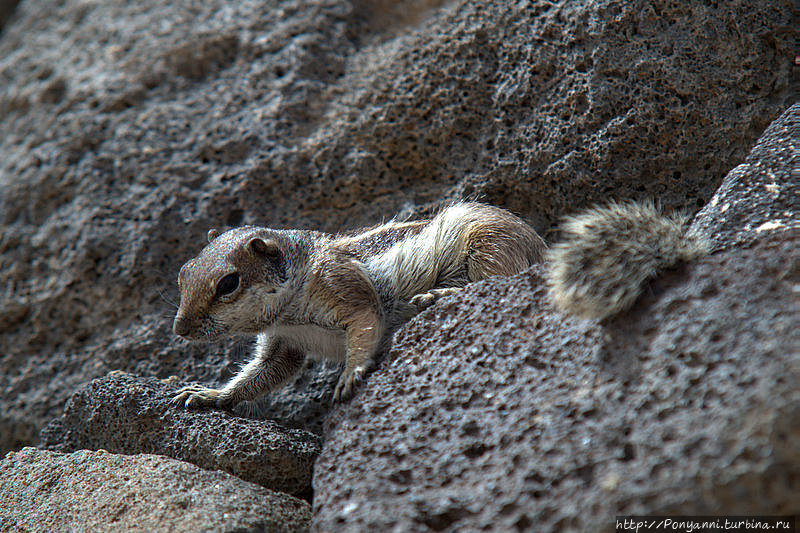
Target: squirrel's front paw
<point>349,379</point>
<point>194,396</point>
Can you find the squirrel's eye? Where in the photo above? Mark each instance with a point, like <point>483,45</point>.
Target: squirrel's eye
<point>227,284</point>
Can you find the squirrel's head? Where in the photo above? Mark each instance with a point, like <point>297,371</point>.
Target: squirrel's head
<point>236,285</point>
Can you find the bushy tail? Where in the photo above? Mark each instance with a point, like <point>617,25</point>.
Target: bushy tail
<point>607,253</point>
<point>464,242</point>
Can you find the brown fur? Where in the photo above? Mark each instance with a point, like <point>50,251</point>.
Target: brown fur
<point>500,245</point>
<point>336,297</point>
<point>340,285</point>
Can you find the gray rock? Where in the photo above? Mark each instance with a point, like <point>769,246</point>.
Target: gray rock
<point>124,414</point>
<point>493,411</point>
<point>131,128</point>
<point>100,491</point>
<point>760,195</point>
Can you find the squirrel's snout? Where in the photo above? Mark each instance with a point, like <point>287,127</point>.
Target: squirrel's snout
<point>181,326</point>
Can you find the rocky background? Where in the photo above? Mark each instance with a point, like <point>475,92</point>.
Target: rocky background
<point>128,129</point>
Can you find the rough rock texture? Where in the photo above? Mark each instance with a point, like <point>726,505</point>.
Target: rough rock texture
<point>130,128</point>
<point>100,491</point>
<point>123,414</point>
<point>760,195</point>
<point>494,412</point>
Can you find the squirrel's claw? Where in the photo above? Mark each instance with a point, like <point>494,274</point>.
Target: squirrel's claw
<point>348,381</point>
<point>196,396</point>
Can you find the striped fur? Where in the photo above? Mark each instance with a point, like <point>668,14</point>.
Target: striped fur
<point>336,297</point>
<point>465,242</point>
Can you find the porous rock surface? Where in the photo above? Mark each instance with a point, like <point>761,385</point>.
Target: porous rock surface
<point>494,412</point>
<point>762,194</point>
<point>100,491</point>
<point>130,128</point>
<point>120,413</point>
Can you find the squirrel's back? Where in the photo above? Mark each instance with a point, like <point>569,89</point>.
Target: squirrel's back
<point>465,242</point>
<point>607,253</point>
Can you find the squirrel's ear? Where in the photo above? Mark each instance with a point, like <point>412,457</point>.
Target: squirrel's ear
<point>266,248</point>
<point>212,234</point>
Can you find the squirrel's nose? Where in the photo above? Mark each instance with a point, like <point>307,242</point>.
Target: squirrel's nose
<point>181,326</point>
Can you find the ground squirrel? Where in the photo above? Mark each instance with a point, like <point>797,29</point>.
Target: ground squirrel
<point>336,297</point>
<point>607,253</point>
